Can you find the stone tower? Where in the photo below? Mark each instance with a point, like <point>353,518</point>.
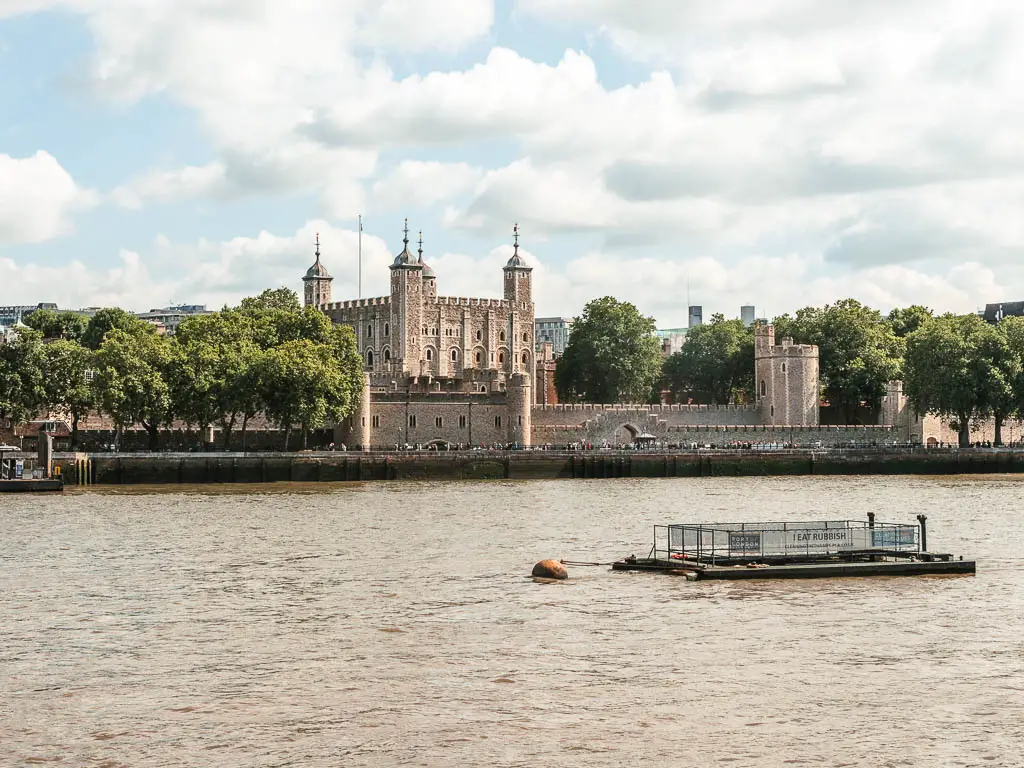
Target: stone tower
<point>519,400</point>
<point>519,293</point>
<point>786,378</point>
<point>407,307</point>
<point>317,283</point>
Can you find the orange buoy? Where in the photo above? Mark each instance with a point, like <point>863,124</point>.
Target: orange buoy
<point>550,569</point>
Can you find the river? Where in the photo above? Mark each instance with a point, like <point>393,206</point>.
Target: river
<point>394,624</point>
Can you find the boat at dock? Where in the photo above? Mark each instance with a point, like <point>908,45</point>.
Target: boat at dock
<point>799,550</point>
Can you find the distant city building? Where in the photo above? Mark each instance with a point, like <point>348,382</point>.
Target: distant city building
<point>747,313</point>
<point>168,319</point>
<point>993,313</point>
<point>671,340</point>
<point>12,316</point>
<point>696,316</point>
<point>555,330</point>
<point>7,334</point>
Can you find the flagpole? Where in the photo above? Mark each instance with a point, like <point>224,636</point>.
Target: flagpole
<point>360,256</point>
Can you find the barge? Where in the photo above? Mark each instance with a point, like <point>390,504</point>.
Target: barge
<point>801,550</point>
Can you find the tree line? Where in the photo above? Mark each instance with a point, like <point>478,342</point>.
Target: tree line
<point>267,355</point>
<point>957,367</point>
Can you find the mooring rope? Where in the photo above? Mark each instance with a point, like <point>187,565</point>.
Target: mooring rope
<point>579,563</point>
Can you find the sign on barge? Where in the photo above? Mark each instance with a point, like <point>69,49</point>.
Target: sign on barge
<point>802,550</point>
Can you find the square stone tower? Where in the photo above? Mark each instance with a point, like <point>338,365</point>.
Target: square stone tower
<point>786,378</point>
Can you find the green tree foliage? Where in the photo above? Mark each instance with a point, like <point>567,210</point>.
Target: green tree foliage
<point>130,382</point>
<point>858,352</point>
<point>612,355</point>
<point>22,395</point>
<point>715,365</point>
<point>959,367</point>
<point>904,321</point>
<point>58,325</point>
<point>65,367</point>
<point>308,383</point>
<point>284,299</point>
<point>107,320</point>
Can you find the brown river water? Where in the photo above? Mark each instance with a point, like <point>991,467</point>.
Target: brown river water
<point>394,624</point>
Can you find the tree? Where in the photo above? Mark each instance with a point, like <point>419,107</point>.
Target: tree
<point>716,364</point>
<point>65,368</point>
<point>858,353</point>
<point>612,355</point>
<point>957,367</point>
<point>58,325</point>
<point>22,395</point>
<point>308,383</point>
<point>904,321</point>
<point>284,299</point>
<point>211,371</point>
<point>107,320</point>
<point>1012,398</point>
<point>129,381</point>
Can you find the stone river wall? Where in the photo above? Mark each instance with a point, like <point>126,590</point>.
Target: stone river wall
<point>127,469</point>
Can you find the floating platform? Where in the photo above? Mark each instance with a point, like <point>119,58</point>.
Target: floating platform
<point>699,572</point>
<point>794,550</point>
<point>29,485</point>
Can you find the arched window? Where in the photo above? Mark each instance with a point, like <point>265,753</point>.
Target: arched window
<point>501,357</point>
<point>483,387</point>
<point>501,336</point>
<point>430,354</point>
<point>387,329</point>
<point>764,388</point>
<point>783,367</point>
<point>369,358</point>
<point>455,355</point>
<point>369,331</point>
<point>526,358</point>
<point>526,336</point>
<point>479,335</point>
<point>424,330</point>
<point>387,355</point>
<point>479,357</point>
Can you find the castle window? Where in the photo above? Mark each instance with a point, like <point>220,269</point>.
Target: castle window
<point>424,330</point>
<point>497,421</point>
<point>455,355</point>
<point>501,357</point>
<point>438,421</point>
<point>363,421</point>
<point>764,388</point>
<point>387,355</point>
<point>483,387</point>
<point>462,422</point>
<point>387,329</point>
<point>501,336</point>
<point>376,421</point>
<point>479,335</point>
<point>479,357</point>
<point>526,358</point>
<point>430,354</point>
<point>369,331</point>
<point>369,358</point>
<point>783,367</point>
<point>773,410</point>
<point>520,421</point>
<point>412,420</point>
<point>526,336</point>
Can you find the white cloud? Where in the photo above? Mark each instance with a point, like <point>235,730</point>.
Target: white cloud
<point>416,183</point>
<point>37,196</point>
<point>163,186</point>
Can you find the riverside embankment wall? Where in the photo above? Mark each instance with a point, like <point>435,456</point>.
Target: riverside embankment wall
<point>129,469</point>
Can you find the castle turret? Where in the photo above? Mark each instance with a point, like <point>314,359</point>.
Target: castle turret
<point>519,400</point>
<point>519,292</point>
<point>407,306</point>
<point>317,283</point>
<point>786,378</point>
<point>518,278</point>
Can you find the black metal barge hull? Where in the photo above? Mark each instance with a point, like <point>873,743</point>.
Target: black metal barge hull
<point>802,570</point>
<point>31,486</point>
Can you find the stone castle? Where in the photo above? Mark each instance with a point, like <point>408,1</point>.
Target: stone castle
<point>456,370</point>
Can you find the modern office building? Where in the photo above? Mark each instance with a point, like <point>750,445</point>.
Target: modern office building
<point>671,340</point>
<point>747,315</point>
<point>169,318</point>
<point>13,315</point>
<point>555,330</point>
<point>696,316</point>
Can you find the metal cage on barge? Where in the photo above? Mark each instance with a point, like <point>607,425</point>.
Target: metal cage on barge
<point>794,550</point>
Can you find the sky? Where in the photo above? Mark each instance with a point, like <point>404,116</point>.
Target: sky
<point>779,153</point>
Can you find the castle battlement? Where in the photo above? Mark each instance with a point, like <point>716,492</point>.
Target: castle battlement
<point>377,301</point>
<point>648,408</point>
<point>462,301</point>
